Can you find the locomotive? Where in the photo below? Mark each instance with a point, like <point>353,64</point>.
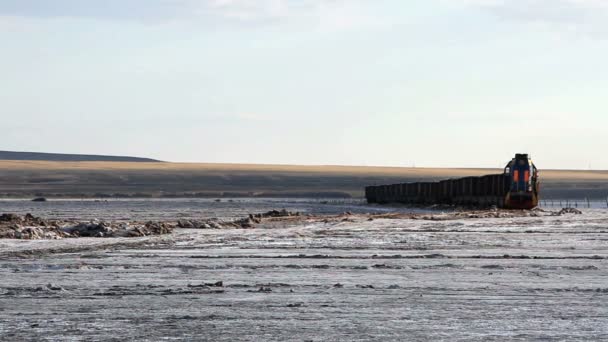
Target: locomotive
<point>524,184</point>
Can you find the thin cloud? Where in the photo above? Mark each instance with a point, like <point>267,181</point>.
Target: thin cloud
<point>247,10</point>
<point>327,14</point>
<point>585,17</point>
<point>107,9</point>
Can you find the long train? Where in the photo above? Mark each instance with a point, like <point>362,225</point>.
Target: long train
<point>516,188</point>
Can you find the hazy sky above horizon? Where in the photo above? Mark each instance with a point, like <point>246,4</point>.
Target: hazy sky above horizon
<point>438,83</point>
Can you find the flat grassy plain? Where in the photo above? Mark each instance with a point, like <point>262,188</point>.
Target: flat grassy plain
<point>143,179</point>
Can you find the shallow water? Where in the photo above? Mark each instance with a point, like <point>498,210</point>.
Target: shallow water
<point>172,209</point>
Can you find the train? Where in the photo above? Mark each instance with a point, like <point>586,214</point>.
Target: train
<point>518,187</point>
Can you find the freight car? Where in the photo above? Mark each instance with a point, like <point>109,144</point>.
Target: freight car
<point>516,188</point>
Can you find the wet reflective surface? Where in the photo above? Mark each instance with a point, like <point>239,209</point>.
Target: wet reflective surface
<point>528,278</point>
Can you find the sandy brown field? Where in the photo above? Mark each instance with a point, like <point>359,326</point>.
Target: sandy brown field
<point>174,179</point>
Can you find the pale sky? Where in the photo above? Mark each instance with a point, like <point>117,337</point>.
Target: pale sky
<point>437,83</point>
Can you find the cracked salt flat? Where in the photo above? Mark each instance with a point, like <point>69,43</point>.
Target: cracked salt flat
<point>532,278</point>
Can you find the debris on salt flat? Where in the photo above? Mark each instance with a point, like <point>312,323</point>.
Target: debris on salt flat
<point>569,211</point>
<point>247,222</point>
<point>282,218</point>
<point>494,213</point>
<point>29,227</point>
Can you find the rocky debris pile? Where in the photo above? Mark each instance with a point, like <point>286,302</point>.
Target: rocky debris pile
<point>247,222</point>
<point>27,220</point>
<point>106,229</point>
<point>29,227</point>
<point>157,228</point>
<point>274,213</point>
<point>568,211</point>
<point>31,233</point>
<point>90,229</point>
<point>213,223</point>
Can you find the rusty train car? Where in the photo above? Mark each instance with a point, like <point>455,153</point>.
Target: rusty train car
<point>516,188</point>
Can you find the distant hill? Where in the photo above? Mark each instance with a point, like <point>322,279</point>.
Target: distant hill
<point>58,179</point>
<point>10,155</point>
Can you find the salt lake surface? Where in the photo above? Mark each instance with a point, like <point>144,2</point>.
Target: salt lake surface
<point>173,209</point>
<point>527,278</point>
